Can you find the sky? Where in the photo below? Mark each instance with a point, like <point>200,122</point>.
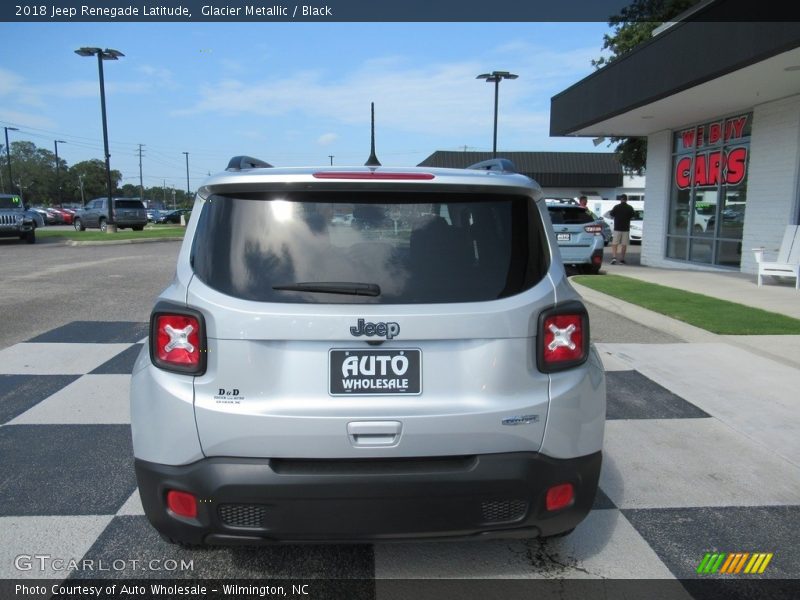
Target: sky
<point>288,93</point>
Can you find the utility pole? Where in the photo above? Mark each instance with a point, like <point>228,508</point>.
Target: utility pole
<point>58,170</point>
<point>141,181</point>
<point>187,176</point>
<point>164,187</point>
<point>83,196</point>
<point>331,157</point>
<point>173,199</point>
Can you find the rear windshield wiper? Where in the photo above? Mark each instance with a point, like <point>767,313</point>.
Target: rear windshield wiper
<point>332,287</point>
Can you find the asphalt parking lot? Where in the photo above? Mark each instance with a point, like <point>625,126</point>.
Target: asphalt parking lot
<point>689,466</point>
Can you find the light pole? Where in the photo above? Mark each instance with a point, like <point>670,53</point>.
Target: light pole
<point>107,54</point>
<point>187,179</point>
<point>83,197</point>
<point>58,171</point>
<point>496,77</point>
<point>8,158</point>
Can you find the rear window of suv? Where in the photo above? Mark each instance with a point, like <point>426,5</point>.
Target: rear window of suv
<point>401,248</point>
<point>129,204</point>
<point>570,215</point>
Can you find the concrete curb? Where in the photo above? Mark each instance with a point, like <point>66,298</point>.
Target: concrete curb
<point>646,317</point>
<point>120,242</point>
<point>781,349</point>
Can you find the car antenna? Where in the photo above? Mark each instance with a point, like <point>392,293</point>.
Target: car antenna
<point>372,161</point>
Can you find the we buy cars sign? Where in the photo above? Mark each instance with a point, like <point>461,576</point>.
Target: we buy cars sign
<point>726,165</point>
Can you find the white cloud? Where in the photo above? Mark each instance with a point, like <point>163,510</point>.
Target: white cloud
<point>441,99</point>
<point>327,139</point>
<point>26,120</point>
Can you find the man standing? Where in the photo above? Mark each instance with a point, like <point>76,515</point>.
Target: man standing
<point>622,214</point>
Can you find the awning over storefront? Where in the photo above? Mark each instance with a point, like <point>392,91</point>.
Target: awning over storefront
<point>698,69</point>
<point>582,170</point>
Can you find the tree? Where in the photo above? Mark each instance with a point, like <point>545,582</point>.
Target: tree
<point>632,26</point>
<point>94,178</point>
<point>33,170</point>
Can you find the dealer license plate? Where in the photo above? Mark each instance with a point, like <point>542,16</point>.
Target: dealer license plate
<point>375,372</point>
<point>564,237</point>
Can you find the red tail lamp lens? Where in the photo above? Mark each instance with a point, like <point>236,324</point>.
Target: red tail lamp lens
<point>563,339</point>
<point>178,341</point>
<point>182,504</point>
<point>560,496</point>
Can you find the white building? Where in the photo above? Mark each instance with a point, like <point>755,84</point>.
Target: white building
<point>718,99</point>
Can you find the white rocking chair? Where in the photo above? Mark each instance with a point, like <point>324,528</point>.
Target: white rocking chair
<point>787,264</point>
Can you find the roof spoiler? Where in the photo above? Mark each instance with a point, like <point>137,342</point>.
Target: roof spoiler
<point>495,164</point>
<point>241,163</point>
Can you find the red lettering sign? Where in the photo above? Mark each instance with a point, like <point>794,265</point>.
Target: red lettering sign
<point>731,129</point>
<point>688,138</point>
<point>683,173</point>
<point>737,161</point>
<point>711,169</point>
<point>714,133</point>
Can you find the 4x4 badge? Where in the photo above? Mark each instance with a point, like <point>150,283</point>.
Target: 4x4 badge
<point>387,330</point>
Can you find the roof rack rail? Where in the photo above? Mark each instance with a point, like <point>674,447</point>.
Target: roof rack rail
<point>495,164</point>
<point>240,163</point>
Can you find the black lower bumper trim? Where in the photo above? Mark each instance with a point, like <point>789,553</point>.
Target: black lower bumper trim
<point>250,501</point>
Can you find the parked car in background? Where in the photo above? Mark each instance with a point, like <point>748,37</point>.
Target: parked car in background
<point>127,212</point>
<point>67,216</point>
<point>579,234</point>
<point>15,220</point>
<point>172,216</point>
<point>153,214</point>
<point>38,218</point>
<point>55,216</point>
<point>637,223</point>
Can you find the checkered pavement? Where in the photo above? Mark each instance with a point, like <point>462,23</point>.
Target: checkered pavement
<point>691,465</point>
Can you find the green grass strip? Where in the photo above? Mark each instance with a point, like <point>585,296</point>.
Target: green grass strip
<point>99,236</point>
<point>712,314</point>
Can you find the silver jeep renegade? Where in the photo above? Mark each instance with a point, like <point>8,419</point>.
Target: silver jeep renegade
<point>365,354</point>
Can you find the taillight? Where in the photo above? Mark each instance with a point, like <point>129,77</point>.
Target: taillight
<point>563,337</point>
<point>560,496</point>
<point>182,504</point>
<point>595,229</point>
<point>178,339</point>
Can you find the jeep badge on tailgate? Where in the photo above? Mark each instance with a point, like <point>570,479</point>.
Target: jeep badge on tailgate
<point>389,330</point>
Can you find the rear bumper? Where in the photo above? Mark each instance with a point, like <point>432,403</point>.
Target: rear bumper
<point>255,501</point>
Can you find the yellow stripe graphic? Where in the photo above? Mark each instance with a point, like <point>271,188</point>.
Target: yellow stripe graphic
<point>766,562</point>
<point>755,563</point>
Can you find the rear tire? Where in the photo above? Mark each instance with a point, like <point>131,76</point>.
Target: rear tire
<point>103,225</point>
<point>139,228</point>
<point>30,237</point>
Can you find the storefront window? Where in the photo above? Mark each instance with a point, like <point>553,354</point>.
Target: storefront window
<point>709,191</point>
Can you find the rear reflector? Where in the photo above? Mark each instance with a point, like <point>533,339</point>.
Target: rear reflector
<point>563,337</point>
<point>182,504</point>
<point>560,496</point>
<point>178,339</point>
<point>372,175</point>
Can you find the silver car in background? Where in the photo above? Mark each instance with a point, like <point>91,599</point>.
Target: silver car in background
<point>579,234</point>
<point>366,354</point>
